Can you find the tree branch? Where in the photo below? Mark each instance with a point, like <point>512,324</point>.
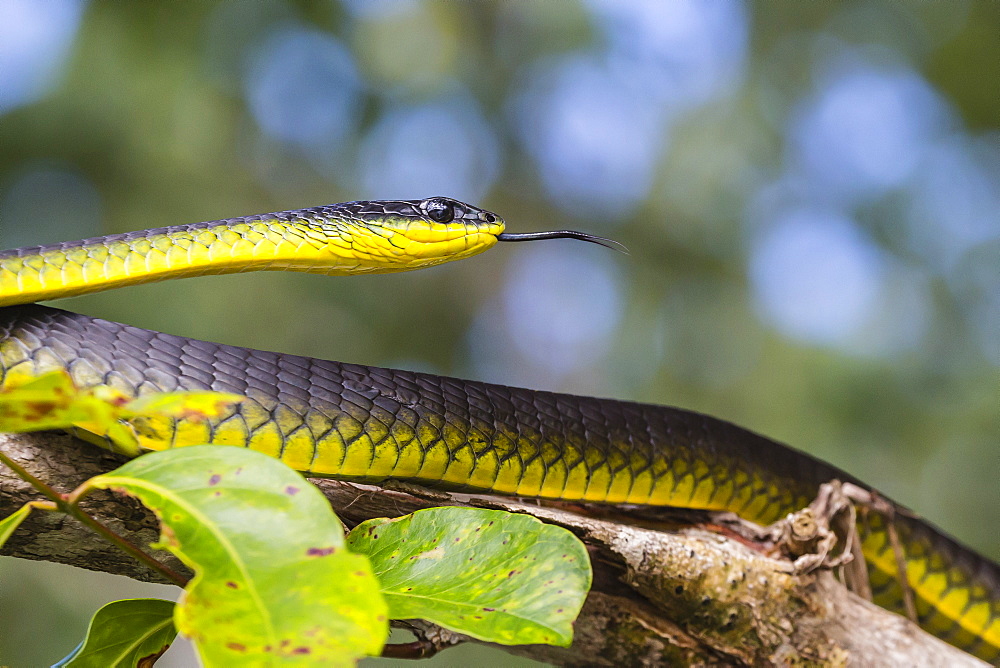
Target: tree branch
<point>659,598</point>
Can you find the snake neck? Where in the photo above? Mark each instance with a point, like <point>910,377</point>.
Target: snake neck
<point>80,267</point>
<point>328,246</point>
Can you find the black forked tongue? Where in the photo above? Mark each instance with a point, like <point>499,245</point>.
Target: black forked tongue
<point>563,234</point>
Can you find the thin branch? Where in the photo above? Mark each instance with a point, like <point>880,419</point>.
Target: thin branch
<point>68,503</point>
<point>659,598</point>
<point>71,507</point>
<point>26,476</point>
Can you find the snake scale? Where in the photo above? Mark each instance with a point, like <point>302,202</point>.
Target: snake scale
<point>367,423</point>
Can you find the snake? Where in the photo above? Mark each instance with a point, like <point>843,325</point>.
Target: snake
<point>364,423</point>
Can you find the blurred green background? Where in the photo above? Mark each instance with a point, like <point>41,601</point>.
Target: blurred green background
<point>810,191</point>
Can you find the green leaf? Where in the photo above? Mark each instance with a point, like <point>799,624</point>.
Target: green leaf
<point>49,401</point>
<point>125,634</point>
<point>52,401</point>
<point>12,521</point>
<point>184,405</point>
<point>274,582</point>
<point>495,576</point>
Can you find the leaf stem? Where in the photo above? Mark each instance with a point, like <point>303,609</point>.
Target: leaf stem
<point>44,505</point>
<point>27,477</point>
<point>126,545</point>
<point>67,503</point>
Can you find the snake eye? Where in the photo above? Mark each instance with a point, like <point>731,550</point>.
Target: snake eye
<point>439,210</point>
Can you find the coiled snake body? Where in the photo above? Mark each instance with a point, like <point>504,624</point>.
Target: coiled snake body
<point>333,419</point>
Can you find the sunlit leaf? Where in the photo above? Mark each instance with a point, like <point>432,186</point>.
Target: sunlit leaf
<point>132,633</point>
<point>12,521</point>
<point>274,582</point>
<point>493,575</point>
<point>185,405</point>
<point>52,401</point>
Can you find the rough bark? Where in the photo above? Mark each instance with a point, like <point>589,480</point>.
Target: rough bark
<point>680,597</point>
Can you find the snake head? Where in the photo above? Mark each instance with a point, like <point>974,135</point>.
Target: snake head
<point>447,211</point>
<point>398,235</point>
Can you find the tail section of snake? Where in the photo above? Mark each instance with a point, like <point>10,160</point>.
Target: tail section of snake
<point>333,419</point>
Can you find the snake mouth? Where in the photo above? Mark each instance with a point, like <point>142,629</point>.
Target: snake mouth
<point>563,234</point>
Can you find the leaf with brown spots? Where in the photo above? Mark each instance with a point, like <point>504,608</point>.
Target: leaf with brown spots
<point>125,634</point>
<point>496,576</point>
<point>274,582</point>
<point>185,405</point>
<point>52,401</point>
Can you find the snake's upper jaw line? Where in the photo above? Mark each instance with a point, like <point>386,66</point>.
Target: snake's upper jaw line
<point>564,234</point>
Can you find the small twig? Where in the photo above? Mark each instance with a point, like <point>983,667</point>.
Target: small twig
<point>810,536</point>
<point>855,572</point>
<point>873,500</point>
<point>904,581</point>
<point>416,490</point>
<point>130,548</point>
<point>68,504</point>
<point>27,477</point>
<point>840,512</point>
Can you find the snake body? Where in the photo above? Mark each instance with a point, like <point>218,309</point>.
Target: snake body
<point>367,423</point>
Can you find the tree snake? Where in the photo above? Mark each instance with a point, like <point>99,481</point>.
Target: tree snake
<point>333,419</point>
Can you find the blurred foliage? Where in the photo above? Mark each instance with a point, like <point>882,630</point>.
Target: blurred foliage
<point>810,193</point>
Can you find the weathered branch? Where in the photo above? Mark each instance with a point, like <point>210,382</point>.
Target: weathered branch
<point>659,598</point>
